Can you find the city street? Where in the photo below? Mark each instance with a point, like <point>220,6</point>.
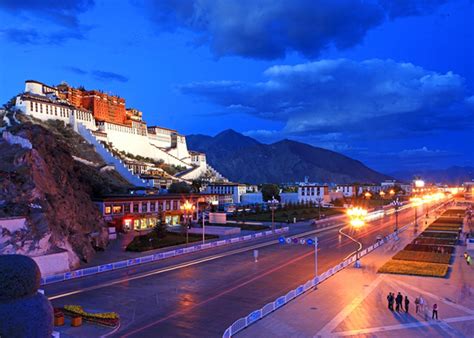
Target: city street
<point>205,295</point>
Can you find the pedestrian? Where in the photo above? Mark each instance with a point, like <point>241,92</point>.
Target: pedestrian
<point>465,255</point>
<point>392,299</point>
<point>435,311</point>
<point>468,259</point>
<point>422,304</point>
<point>389,300</point>
<point>417,304</point>
<point>407,302</point>
<point>398,301</point>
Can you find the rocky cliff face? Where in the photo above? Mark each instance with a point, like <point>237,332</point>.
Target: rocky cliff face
<point>52,189</point>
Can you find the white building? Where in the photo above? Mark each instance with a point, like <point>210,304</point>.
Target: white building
<point>251,198</point>
<point>289,197</point>
<point>312,192</point>
<point>44,103</point>
<point>347,190</point>
<point>228,188</point>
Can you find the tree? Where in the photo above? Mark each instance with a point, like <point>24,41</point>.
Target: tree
<point>269,191</point>
<point>159,229</point>
<point>179,188</point>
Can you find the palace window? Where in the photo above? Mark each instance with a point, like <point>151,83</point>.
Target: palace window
<point>126,208</point>
<point>117,209</point>
<point>152,206</point>
<point>135,207</point>
<point>108,210</point>
<point>145,207</point>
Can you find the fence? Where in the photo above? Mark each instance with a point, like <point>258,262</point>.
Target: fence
<point>154,257</point>
<point>252,317</point>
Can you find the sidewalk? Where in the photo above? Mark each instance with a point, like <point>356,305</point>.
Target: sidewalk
<point>353,303</point>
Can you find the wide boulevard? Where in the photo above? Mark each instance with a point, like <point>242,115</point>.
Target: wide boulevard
<point>203,293</point>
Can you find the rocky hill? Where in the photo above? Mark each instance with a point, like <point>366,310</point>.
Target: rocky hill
<point>48,174</point>
<point>244,159</point>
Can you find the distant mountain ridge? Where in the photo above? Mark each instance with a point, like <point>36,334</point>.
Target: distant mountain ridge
<point>452,175</point>
<point>243,159</point>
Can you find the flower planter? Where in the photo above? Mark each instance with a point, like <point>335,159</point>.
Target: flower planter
<point>58,320</point>
<point>76,321</point>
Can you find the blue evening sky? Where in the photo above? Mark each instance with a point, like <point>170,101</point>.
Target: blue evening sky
<point>388,82</point>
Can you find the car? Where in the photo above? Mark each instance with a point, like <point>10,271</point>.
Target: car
<point>379,238</point>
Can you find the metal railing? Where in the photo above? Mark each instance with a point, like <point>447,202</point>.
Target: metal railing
<point>154,257</point>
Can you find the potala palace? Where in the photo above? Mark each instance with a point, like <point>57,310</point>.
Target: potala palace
<point>119,134</point>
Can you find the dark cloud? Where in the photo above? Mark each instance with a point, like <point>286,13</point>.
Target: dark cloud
<point>332,96</point>
<point>76,70</point>
<point>98,74</point>
<point>63,13</point>
<point>20,36</point>
<point>269,29</point>
<point>41,19</point>
<point>108,76</point>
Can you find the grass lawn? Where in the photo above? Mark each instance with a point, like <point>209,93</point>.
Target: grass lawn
<point>414,268</point>
<point>420,256</point>
<point>285,215</point>
<point>150,241</point>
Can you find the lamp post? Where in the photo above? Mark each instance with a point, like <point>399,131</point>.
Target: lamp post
<point>187,207</point>
<point>273,204</point>
<point>397,204</point>
<point>210,204</point>
<point>357,219</point>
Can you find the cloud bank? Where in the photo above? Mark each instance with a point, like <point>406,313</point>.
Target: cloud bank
<point>345,96</point>
<point>270,29</point>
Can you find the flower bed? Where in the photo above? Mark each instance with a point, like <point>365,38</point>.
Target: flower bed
<point>439,228</point>
<point>433,234</point>
<point>430,248</point>
<point>104,318</point>
<point>423,256</point>
<point>414,268</point>
<point>434,241</point>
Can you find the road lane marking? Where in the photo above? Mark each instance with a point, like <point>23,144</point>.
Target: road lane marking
<point>174,314</point>
<point>201,260</point>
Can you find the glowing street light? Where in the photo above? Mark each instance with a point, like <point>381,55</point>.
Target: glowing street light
<point>392,192</point>
<point>367,195</point>
<point>188,208</point>
<point>356,220</point>
<point>382,194</point>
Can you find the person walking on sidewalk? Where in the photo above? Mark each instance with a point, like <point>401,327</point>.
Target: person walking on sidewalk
<point>435,311</point>
<point>407,302</point>
<point>399,301</point>
<point>417,304</point>
<point>389,301</point>
<point>422,304</point>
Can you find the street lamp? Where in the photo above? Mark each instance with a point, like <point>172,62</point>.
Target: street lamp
<point>416,201</point>
<point>382,194</point>
<point>188,209</point>
<point>210,204</point>
<point>397,204</point>
<point>367,195</point>
<point>273,205</point>
<point>356,220</point>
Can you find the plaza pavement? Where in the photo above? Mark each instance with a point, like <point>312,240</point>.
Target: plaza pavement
<point>353,303</point>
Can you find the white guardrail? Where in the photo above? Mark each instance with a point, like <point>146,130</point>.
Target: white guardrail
<point>154,257</point>
<point>252,317</point>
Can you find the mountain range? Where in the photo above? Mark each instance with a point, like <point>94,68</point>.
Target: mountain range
<point>453,175</point>
<point>243,159</point>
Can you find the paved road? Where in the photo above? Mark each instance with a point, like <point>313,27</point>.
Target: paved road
<point>202,297</point>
